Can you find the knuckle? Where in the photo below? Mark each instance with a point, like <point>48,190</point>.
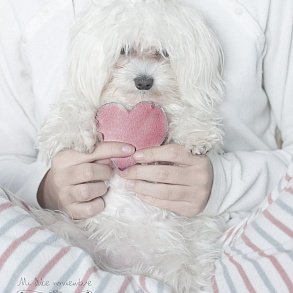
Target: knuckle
<point>169,192</point>
<point>111,148</point>
<point>163,174</point>
<point>68,212</point>
<point>88,173</point>
<point>149,154</point>
<point>74,212</point>
<point>134,172</point>
<point>181,194</point>
<point>93,209</point>
<point>107,172</point>
<point>83,192</point>
<point>103,189</point>
<point>174,152</point>
<point>89,211</point>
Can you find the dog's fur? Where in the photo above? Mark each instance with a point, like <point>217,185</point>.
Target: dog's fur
<point>113,42</point>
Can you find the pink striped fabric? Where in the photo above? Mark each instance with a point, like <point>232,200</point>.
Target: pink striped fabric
<point>5,205</point>
<point>48,267</point>
<point>85,278</point>
<point>125,285</point>
<point>258,252</point>
<point>16,243</point>
<point>33,259</point>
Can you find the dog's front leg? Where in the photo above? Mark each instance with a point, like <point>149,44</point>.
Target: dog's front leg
<point>70,125</point>
<point>197,131</point>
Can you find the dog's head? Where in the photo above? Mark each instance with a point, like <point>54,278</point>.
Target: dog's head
<point>141,75</point>
<point>147,49</point>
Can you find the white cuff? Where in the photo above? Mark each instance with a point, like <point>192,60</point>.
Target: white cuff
<point>217,193</point>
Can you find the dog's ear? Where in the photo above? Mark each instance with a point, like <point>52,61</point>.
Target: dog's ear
<point>91,55</point>
<point>197,59</point>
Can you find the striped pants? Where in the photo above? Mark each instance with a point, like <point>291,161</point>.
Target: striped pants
<point>257,254</point>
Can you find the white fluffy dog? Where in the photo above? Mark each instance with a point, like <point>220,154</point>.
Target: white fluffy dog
<point>116,43</point>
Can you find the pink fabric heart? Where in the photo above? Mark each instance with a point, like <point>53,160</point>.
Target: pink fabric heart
<point>145,125</point>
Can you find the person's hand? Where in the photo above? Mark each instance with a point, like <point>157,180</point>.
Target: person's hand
<point>183,185</point>
<point>75,183</point>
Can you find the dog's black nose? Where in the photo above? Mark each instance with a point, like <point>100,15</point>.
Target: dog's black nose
<point>144,82</point>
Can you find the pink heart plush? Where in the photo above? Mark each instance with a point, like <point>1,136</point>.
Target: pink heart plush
<point>145,125</point>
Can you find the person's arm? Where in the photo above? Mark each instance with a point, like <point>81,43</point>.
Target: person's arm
<point>242,179</point>
<point>20,171</point>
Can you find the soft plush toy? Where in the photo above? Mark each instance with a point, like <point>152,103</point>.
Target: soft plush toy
<point>145,125</point>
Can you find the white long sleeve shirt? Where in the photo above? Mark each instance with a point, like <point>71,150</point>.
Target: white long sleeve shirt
<point>256,37</point>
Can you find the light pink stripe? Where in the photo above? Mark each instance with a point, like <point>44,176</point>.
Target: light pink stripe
<point>270,200</point>
<point>289,189</point>
<point>236,231</point>
<point>215,285</point>
<point>142,283</point>
<point>242,273</point>
<point>277,223</point>
<point>85,279</point>
<point>273,260</point>
<point>16,243</point>
<point>48,267</point>
<point>125,284</point>
<point>5,206</point>
<point>229,233</point>
<point>288,177</point>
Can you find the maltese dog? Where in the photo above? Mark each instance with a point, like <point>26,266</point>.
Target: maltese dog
<point>128,52</point>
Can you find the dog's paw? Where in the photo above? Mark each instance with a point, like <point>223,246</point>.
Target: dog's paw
<point>85,141</point>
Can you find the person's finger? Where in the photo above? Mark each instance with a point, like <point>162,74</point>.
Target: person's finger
<point>86,210</point>
<point>103,150</point>
<point>87,191</point>
<point>184,208</point>
<point>157,173</point>
<point>104,162</point>
<point>161,191</point>
<point>167,153</point>
<point>88,172</point>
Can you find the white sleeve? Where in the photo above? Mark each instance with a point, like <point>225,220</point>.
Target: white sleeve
<point>243,179</point>
<point>20,171</point>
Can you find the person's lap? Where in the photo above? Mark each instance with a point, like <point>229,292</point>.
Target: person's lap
<point>257,253</point>
<point>33,258</point>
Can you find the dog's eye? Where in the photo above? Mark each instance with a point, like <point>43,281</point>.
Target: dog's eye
<point>127,51</point>
<point>165,53</point>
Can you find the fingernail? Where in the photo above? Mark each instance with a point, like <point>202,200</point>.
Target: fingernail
<point>128,149</point>
<point>138,156</point>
